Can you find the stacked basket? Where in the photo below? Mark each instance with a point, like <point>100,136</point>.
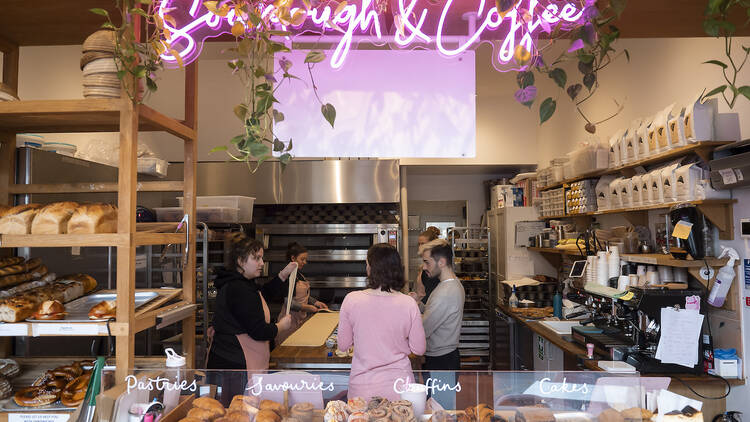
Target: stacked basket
<point>99,68</point>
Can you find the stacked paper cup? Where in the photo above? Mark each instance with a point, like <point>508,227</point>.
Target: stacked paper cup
<point>591,270</point>
<point>602,271</point>
<point>99,68</point>
<point>613,263</point>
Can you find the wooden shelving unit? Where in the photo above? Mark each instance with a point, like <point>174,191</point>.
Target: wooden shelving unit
<point>649,259</point>
<point>702,149</point>
<point>99,115</point>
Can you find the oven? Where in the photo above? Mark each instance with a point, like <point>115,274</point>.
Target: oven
<point>337,253</point>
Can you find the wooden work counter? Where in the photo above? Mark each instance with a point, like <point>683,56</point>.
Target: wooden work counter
<point>576,355</point>
<point>300,357</point>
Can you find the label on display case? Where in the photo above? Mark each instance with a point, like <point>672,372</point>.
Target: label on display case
<point>57,329</point>
<point>13,330</point>
<point>38,417</point>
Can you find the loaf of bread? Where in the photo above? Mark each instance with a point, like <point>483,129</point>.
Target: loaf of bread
<point>637,414</point>
<point>89,283</point>
<point>15,309</point>
<point>93,218</point>
<point>17,220</point>
<point>534,414</point>
<point>610,415</point>
<point>11,260</point>
<point>4,209</point>
<point>53,218</point>
<point>14,280</point>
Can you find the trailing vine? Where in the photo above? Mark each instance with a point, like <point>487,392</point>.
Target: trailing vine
<point>591,47</point>
<point>717,24</point>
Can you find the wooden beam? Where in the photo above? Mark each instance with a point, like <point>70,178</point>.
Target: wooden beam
<point>191,96</point>
<point>156,186</point>
<point>7,166</point>
<point>161,121</point>
<point>720,215</point>
<point>126,202</point>
<point>10,64</point>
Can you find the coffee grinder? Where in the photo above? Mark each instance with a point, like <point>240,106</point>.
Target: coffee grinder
<point>696,242</point>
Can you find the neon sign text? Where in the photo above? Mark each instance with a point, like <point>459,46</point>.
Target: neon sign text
<point>517,26</point>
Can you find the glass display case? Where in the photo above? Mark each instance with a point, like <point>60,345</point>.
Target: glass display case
<point>322,396</point>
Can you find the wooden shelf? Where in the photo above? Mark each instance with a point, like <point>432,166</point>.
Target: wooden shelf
<point>155,186</point>
<point>651,259</point>
<point>148,234</point>
<point>662,206</point>
<point>702,149</point>
<point>83,115</point>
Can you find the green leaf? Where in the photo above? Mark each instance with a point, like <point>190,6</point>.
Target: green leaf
<point>586,58</point>
<point>258,149</point>
<point>140,71</point>
<point>559,76</point>
<point>276,47</point>
<point>265,101</point>
<point>145,1</point>
<point>240,111</point>
<point>151,85</point>
<point>315,57</point>
<point>278,116</point>
<point>711,27</point>
<point>627,54</point>
<point>140,12</point>
<point>618,6</point>
<point>278,146</point>
<point>747,49</point>
<point>547,109</point>
<point>219,148</point>
<point>121,74</point>
<point>284,159</point>
<point>574,90</point>
<point>107,25</point>
<point>715,91</point>
<point>525,79</point>
<point>289,146</point>
<point>99,11</point>
<point>713,6</point>
<point>585,68</point>
<point>717,63</point>
<point>589,80</point>
<point>329,112</point>
<point>254,19</point>
<point>744,90</point>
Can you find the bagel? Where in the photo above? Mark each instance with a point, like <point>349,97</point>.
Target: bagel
<point>37,396</point>
<point>75,391</point>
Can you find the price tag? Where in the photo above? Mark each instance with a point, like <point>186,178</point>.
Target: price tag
<point>13,330</point>
<point>740,176</point>
<point>728,176</point>
<point>682,230</point>
<point>57,329</point>
<point>38,417</point>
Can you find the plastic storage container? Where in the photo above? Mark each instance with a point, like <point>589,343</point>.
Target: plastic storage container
<point>205,215</point>
<point>557,170</point>
<point>153,166</point>
<point>243,203</point>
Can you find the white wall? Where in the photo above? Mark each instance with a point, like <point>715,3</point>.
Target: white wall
<point>661,71</point>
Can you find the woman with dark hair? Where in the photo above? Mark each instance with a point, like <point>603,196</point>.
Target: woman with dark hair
<point>384,326</point>
<point>424,284</point>
<point>302,303</point>
<point>242,323</point>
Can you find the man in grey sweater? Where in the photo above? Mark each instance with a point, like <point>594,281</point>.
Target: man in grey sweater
<point>444,309</point>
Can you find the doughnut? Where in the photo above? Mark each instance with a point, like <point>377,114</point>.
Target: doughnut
<point>75,391</point>
<point>44,379</point>
<point>36,396</point>
<point>357,404</point>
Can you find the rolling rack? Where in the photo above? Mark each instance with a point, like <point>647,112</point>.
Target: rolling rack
<point>471,249</point>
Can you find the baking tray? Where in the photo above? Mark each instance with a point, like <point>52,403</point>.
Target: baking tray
<point>78,310</point>
<point>8,405</point>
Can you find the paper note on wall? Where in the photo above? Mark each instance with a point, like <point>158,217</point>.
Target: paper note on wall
<point>680,334</point>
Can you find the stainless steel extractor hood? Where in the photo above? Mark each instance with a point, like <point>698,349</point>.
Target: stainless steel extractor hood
<point>302,182</point>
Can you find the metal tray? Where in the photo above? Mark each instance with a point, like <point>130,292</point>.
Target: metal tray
<point>8,405</point>
<point>78,310</point>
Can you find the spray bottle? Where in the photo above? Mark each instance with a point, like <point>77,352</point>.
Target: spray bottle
<point>723,279</point>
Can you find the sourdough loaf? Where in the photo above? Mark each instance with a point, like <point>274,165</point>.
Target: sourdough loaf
<point>53,218</point>
<point>93,218</point>
<point>17,220</point>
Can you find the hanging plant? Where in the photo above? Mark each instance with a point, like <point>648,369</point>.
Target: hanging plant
<point>591,46</point>
<point>138,61</point>
<point>717,24</point>
<point>257,40</point>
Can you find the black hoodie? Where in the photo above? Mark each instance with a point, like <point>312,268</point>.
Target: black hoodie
<point>239,311</point>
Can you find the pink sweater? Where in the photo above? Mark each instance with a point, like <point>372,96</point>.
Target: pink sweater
<point>384,329</point>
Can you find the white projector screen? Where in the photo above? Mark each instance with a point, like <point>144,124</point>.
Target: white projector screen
<point>389,104</point>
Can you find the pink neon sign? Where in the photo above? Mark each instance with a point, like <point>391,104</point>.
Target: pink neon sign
<point>418,23</point>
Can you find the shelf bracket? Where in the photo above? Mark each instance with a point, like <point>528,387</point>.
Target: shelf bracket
<point>704,153</point>
<point>721,216</point>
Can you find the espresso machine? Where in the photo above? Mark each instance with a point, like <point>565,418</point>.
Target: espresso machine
<point>629,330</point>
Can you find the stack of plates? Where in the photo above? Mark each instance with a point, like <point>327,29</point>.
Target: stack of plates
<point>99,68</point>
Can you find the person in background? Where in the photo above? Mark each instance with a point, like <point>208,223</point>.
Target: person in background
<point>242,325</point>
<point>302,303</point>
<point>384,326</point>
<point>444,310</point>
<point>424,284</point>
